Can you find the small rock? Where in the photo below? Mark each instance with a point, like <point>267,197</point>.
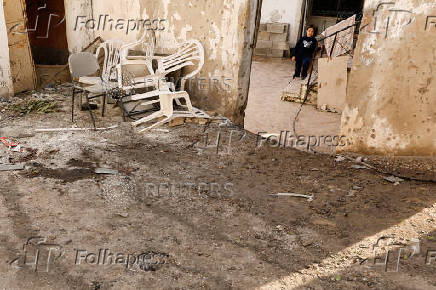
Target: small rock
<point>280,227</point>
<point>355,166</point>
<point>106,171</point>
<point>124,215</point>
<point>394,179</point>
<point>340,158</point>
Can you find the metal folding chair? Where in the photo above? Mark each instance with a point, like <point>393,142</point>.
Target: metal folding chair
<point>85,65</point>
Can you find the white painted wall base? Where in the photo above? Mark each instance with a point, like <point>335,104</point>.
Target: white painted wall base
<point>6,85</point>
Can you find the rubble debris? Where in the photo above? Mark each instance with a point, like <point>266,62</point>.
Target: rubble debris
<point>86,106</point>
<point>106,171</point>
<point>309,197</point>
<point>356,166</point>
<point>11,167</point>
<point>123,215</point>
<point>340,158</point>
<point>394,179</point>
<point>177,122</point>
<point>73,129</point>
<point>35,105</point>
<point>14,146</point>
<point>4,160</point>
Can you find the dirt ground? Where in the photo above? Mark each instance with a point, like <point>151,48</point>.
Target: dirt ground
<point>202,215</point>
<point>266,112</point>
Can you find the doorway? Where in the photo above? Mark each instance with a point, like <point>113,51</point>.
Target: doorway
<point>268,110</point>
<point>47,31</point>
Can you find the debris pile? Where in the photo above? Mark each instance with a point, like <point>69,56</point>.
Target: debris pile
<point>35,105</point>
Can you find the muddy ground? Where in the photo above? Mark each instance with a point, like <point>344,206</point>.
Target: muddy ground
<point>202,216</point>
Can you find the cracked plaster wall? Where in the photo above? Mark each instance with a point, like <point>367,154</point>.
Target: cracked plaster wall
<point>391,95</point>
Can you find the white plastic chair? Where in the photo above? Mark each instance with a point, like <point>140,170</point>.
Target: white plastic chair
<point>146,45</point>
<point>189,54</point>
<point>85,64</point>
<point>111,58</point>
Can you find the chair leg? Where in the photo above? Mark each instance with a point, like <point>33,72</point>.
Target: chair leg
<point>155,125</point>
<point>104,105</point>
<point>72,104</point>
<point>148,118</point>
<point>90,110</point>
<point>121,105</point>
<point>188,103</point>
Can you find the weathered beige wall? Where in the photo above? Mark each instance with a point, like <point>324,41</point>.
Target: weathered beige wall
<point>224,27</point>
<point>391,98</point>
<point>78,37</point>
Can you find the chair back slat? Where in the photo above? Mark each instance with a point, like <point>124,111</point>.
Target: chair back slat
<point>112,58</point>
<point>190,53</point>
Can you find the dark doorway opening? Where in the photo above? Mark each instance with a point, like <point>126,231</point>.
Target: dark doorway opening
<point>47,31</point>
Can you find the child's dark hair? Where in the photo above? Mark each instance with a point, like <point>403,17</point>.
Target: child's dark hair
<point>310,26</point>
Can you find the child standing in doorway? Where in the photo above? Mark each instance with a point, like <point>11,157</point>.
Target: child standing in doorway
<point>303,52</point>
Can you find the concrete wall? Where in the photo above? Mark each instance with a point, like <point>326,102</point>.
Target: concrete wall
<point>78,36</point>
<point>6,86</point>
<point>285,11</point>
<point>223,27</point>
<point>390,106</point>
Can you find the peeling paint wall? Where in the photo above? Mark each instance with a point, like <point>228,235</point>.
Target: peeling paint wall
<point>6,86</point>
<point>284,11</point>
<point>78,36</point>
<point>224,27</point>
<point>391,97</point>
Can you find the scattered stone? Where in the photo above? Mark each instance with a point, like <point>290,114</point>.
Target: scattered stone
<point>11,167</point>
<point>355,166</point>
<point>280,228</point>
<point>309,197</point>
<point>124,215</point>
<point>394,179</point>
<point>106,171</point>
<point>4,160</point>
<point>340,158</point>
